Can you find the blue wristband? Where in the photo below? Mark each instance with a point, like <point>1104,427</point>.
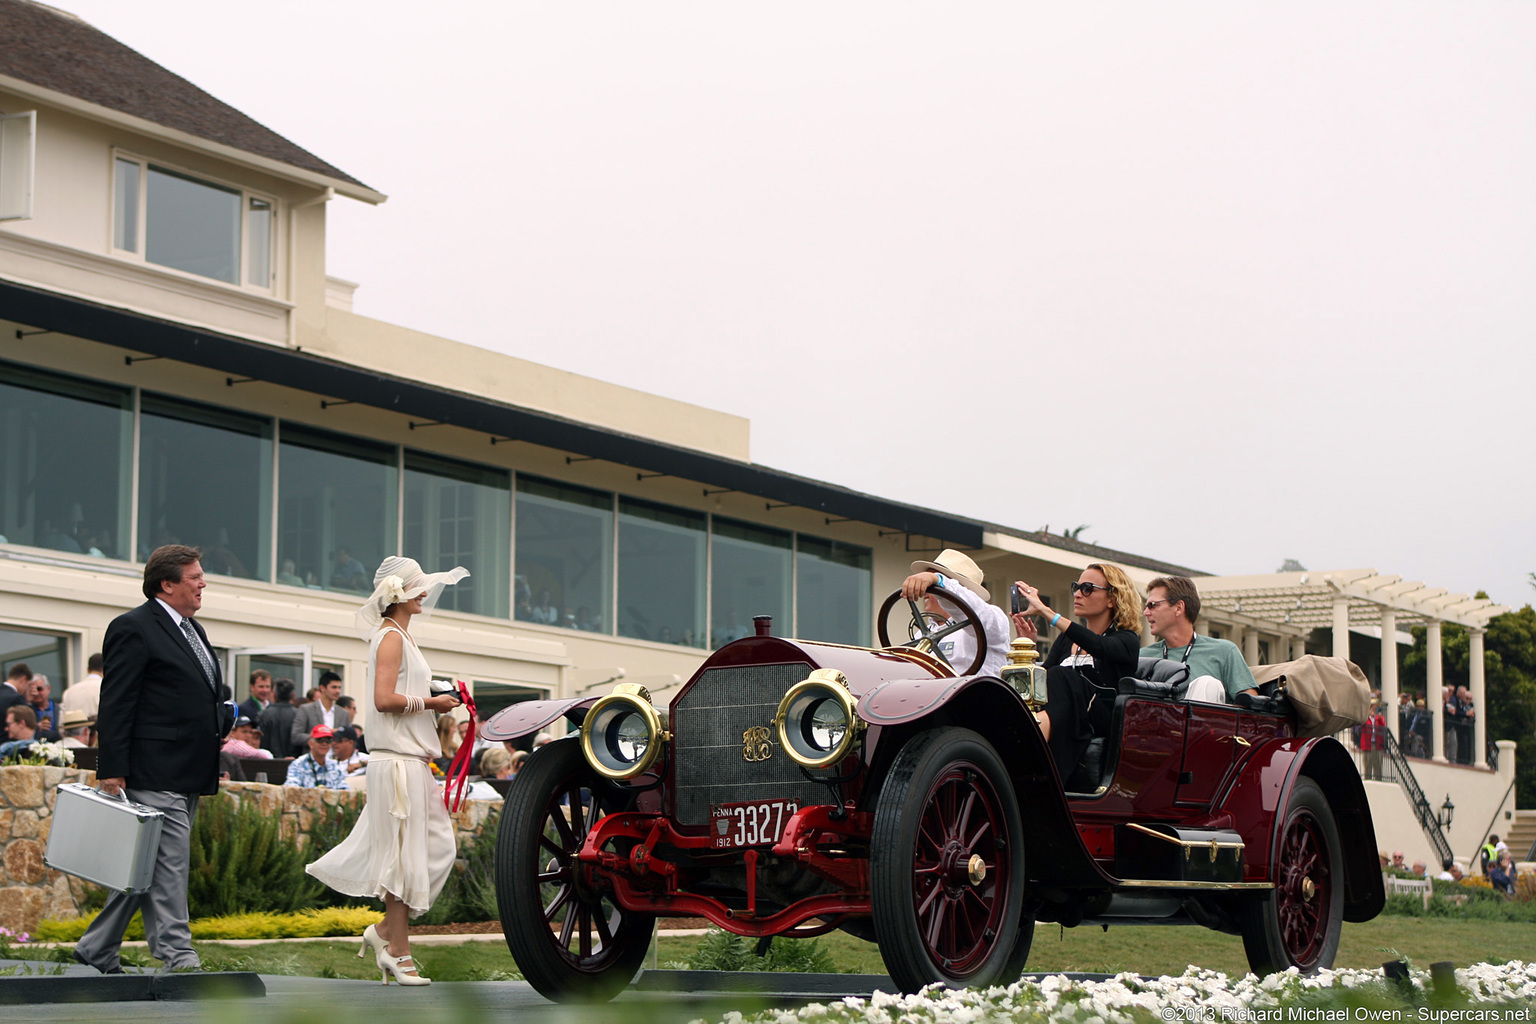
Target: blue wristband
<point>1055,619</point>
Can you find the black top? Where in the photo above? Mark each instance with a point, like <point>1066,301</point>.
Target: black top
<point>1114,653</point>
<point>159,722</point>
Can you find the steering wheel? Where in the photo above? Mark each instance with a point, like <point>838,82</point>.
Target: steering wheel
<point>925,629</point>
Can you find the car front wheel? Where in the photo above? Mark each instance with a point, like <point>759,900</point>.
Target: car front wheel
<point>947,864</point>
<point>1298,924</point>
<point>572,942</point>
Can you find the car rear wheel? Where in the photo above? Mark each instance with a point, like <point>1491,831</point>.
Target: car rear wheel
<point>1298,924</point>
<point>572,942</point>
<point>947,865</point>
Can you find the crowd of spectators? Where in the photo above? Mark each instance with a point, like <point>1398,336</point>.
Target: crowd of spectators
<point>315,742</point>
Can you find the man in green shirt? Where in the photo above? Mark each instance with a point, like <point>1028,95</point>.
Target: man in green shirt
<point>1217,671</point>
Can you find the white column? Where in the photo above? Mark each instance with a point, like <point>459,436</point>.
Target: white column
<point>1251,646</point>
<point>1389,668</point>
<point>1479,728</point>
<point>1434,681</point>
<point>1341,628</point>
<point>1298,647</point>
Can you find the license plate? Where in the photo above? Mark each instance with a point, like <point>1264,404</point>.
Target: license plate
<point>752,823</point>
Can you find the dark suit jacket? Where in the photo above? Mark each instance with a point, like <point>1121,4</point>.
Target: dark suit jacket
<point>309,716</point>
<point>159,720</point>
<point>251,708</point>
<point>9,695</point>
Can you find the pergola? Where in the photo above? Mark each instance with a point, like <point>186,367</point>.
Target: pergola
<point>1347,598</point>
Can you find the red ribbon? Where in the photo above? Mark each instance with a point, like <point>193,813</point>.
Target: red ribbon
<point>458,768</point>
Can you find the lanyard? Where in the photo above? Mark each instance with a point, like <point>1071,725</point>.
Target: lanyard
<point>1187,650</point>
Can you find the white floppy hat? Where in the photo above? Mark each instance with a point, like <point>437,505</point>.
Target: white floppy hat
<point>960,567</point>
<point>400,579</point>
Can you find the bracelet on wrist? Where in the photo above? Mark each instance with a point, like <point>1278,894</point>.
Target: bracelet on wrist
<point>1055,619</point>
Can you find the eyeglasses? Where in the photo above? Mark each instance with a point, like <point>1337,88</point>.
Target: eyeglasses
<point>1087,589</point>
<point>1152,606</point>
<point>324,741</point>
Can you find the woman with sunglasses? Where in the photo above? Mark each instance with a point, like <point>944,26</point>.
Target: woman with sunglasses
<point>1087,660</point>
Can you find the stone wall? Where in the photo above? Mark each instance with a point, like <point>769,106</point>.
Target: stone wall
<point>31,891</point>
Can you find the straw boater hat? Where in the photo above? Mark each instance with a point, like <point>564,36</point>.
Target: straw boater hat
<point>400,579</point>
<point>959,567</point>
<point>74,719</point>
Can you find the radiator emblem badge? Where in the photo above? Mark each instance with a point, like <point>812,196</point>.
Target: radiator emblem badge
<point>756,744</point>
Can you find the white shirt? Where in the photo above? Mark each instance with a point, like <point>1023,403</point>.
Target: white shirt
<point>176,618</point>
<point>960,647</point>
<point>83,696</point>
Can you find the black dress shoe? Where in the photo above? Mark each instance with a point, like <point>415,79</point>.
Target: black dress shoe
<point>116,969</point>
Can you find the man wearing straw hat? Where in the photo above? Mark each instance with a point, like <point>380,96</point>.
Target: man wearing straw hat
<point>958,575</point>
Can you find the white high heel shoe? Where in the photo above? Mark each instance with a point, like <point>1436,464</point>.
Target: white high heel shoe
<point>371,938</point>
<point>397,966</point>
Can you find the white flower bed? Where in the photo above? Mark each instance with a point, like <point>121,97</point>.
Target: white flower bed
<point>1197,995</point>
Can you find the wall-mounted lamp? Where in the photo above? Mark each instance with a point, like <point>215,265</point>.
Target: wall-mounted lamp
<point>1447,810</point>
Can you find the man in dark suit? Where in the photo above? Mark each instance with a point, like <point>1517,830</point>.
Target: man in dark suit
<point>14,689</point>
<point>323,710</point>
<point>261,695</point>
<point>160,725</point>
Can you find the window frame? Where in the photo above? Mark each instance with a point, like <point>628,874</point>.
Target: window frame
<point>141,220</point>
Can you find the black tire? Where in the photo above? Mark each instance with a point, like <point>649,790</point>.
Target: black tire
<point>538,886</point>
<point>1298,924</point>
<point>946,800</point>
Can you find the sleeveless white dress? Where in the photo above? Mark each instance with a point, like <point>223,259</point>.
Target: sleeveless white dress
<point>403,841</point>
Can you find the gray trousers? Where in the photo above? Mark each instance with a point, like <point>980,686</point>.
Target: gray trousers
<point>164,905</point>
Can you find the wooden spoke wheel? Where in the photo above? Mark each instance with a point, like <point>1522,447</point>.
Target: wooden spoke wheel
<point>1298,924</point>
<point>947,865</point>
<point>571,941</point>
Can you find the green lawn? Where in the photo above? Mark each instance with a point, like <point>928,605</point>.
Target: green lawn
<point>1142,949</point>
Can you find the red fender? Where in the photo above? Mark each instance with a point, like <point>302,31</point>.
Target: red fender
<point>530,716</point>
<point>1263,788</point>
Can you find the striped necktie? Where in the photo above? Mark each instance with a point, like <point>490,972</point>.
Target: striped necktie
<point>200,651</point>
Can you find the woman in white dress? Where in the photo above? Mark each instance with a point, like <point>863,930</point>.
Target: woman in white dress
<point>402,847</point>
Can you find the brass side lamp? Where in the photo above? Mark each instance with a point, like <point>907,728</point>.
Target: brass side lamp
<point>1023,674</point>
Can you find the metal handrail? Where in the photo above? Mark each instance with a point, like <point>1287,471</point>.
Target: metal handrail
<point>1421,808</point>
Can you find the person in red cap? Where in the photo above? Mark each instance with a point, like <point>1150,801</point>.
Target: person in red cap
<point>313,771</point>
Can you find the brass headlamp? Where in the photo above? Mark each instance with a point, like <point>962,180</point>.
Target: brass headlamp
<point>816,724</point>
<point>1023,674</point>
<point>622,734</point>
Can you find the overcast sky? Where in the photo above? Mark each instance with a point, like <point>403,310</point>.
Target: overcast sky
<point>1230,283</point>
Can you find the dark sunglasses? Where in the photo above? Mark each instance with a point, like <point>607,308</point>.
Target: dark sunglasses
<point>1087,589</point>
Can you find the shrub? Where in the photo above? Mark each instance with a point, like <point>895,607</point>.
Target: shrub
<point>70,929</point>
<point>721,951</point>
<point>241,863</point>
<point>318,922</point>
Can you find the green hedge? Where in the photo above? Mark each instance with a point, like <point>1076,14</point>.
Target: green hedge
<point>305,924</point>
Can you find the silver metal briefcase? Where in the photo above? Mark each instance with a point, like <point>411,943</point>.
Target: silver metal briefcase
<point>104,840</point>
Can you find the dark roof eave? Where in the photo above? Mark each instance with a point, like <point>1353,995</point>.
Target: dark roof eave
<point>343,381</point>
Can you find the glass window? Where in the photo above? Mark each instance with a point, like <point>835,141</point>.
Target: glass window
<point>661,573</point>
<point>833,591</point>
<point>193,226</point>
<point>564,555</point>
<point>125,207</point>
<point>461,514</point>
<point>259,230</point>
<point>337,515</point>
<point>750,572</point>
<point>66,454</point>
<point>205,479</point>
<point>43,653</point>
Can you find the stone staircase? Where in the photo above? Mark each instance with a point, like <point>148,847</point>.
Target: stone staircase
<point>1522,834</point>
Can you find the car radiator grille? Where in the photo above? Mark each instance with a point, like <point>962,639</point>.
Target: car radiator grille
<point>707,743</point>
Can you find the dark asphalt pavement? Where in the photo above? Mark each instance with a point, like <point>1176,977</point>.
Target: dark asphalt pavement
<point>293,1000</point>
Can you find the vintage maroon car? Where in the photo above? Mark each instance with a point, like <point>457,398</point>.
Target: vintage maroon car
<point>795,787</point>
